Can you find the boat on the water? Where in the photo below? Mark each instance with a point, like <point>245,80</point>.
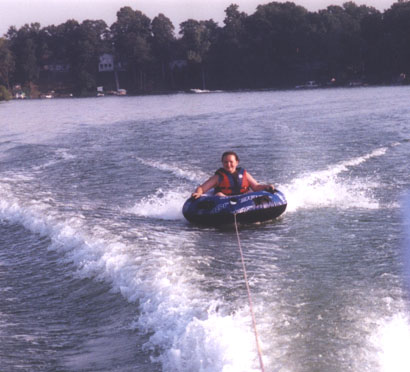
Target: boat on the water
<point>251,207</point>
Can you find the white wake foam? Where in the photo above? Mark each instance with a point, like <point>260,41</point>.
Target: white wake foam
<point>392,342</point>
<point>327,189</point>
<point>182,320</point>
<point>406,240</point>
<point>166,205</point>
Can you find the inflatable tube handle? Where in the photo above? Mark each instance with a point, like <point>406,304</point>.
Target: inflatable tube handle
<point>272,190</point>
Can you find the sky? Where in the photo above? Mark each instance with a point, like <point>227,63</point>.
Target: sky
<point>48,12</point>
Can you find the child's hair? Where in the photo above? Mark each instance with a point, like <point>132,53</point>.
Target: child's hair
<point>226,153</point>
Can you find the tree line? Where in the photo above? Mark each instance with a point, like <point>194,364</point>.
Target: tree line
<point>278,46</point>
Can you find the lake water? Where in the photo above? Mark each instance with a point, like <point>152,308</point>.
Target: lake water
<point>99,271</point>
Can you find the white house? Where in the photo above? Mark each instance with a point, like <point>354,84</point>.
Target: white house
<point>106,63</point>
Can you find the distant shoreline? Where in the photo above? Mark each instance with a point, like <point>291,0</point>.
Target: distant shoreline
<point>348,45</point>
<point>197,91</point>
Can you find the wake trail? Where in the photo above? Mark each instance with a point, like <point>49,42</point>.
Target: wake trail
<point>187,174</point>
<point>326,188</point>
<point>172,308</point>
<point>167,204</point>
<point>319,189</point>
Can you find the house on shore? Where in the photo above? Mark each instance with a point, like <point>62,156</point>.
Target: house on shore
<point>108,66</point>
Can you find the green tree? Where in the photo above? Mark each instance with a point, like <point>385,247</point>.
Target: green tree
<point>276,34</point>
<point>344,45</point>
<point>131,35</point>
<point>91,44</point>
<point>79,46</point>
<point>4,94</point>
<point>375,61</point>
<point>397,31</point>
<point>197,39</point>
<point>231,49</point>
<point>7,64</point>
<point>163,41</point>
<point>24,44</point>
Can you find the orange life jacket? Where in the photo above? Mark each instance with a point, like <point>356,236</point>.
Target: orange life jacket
<point>232,184</point>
